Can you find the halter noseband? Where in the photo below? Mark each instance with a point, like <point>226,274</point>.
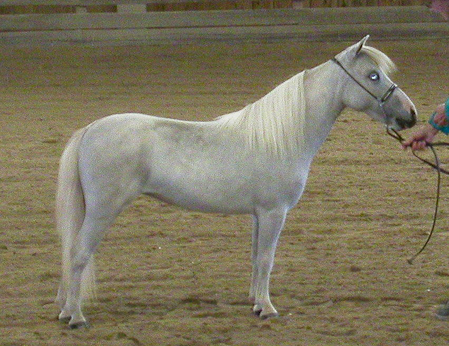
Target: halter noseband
<point>380,100</point>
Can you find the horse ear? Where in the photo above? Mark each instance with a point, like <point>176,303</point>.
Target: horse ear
<point>352,52</point>
<point>359,46</point>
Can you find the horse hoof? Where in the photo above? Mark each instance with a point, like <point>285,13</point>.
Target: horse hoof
<point>267,316</point>
<point>79,325</point>
<point>63,319</point>
<point>257,310</point>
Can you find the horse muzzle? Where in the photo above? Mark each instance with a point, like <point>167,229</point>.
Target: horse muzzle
<point>407,122</point>
<point>400,111</point>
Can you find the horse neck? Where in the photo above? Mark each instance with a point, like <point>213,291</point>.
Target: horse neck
<point>323,87</point>
<point>289,127</point>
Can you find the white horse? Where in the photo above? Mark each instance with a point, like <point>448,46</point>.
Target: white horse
<point>254,161</point>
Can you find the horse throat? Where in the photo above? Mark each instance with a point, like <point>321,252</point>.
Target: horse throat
<point>323,92</point>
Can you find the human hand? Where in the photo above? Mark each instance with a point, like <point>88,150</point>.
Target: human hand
<point>425,135</point>
<point>421,138</point>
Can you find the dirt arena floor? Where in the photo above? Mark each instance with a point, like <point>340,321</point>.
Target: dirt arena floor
<point>171,277</point>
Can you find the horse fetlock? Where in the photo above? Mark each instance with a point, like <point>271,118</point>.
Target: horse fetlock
<point>252,296</point>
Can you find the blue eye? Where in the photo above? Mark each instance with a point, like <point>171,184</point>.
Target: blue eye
<point>374,76</point>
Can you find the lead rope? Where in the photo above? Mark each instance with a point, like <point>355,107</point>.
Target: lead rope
<point>393,133</point>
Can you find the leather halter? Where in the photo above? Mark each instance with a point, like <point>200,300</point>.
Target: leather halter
<point>381,100</point>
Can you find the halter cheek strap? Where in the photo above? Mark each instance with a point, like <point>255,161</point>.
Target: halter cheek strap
<point>381,100</point>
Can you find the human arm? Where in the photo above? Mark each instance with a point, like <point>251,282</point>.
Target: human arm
<point>426,134</point>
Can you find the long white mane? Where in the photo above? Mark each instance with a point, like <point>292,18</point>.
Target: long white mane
<point>275,123</point>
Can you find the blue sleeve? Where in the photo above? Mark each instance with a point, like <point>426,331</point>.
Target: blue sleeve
<point>444,129</point>
<point>446,108</point>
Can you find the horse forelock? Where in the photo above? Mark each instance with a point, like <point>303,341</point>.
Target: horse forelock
<point>380,59</point>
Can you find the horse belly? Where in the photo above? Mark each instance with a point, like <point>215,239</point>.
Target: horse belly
<point>211,187</point>
<point>203,196</point>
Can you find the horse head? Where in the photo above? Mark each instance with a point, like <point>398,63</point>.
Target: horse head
<point>367,86</point>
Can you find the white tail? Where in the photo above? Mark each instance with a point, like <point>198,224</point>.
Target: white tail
<point>70,212</point>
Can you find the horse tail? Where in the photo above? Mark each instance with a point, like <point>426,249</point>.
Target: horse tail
<point>70,214</point>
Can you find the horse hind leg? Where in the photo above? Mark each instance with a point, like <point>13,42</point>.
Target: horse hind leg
<point>100,214</point>
<point>81,268</point>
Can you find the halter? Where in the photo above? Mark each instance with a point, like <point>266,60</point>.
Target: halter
<point>381,100</point>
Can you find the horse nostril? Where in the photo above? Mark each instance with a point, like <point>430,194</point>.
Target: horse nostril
<point>407,123</point>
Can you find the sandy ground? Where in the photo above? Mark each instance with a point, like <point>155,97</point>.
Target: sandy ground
<point>171,277</point>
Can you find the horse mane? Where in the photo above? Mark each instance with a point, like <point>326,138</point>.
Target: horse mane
<point>381,59</point>
<point>274,123</point>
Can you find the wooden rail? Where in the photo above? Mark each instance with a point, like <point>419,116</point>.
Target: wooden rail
<point>192,26</point>
<point>248,4</point>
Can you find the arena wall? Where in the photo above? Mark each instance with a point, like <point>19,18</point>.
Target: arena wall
<point>133,22</point>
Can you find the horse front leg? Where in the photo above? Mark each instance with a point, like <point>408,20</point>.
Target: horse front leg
<point>254,276</point>
<point>269,226</point>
